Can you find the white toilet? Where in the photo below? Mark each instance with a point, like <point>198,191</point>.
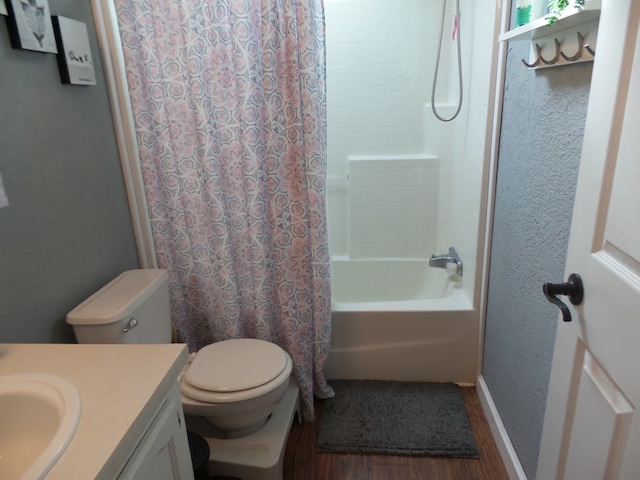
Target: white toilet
<point>234,384</point>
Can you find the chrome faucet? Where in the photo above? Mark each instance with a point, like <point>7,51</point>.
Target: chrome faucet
<point>449,261</point>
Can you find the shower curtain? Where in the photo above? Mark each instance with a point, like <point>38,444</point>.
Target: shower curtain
<point>228,98</point>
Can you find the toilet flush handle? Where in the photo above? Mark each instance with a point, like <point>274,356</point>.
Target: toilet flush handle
<point>133,322</point>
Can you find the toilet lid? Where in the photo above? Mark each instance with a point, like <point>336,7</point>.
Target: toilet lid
<point>236,365</point>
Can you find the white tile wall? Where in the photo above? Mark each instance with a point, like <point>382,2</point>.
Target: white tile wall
<point>378,76</point>
<point>393,206</point>
<point>337,213</point>
<point>380,58</point>
<point>468,156</point>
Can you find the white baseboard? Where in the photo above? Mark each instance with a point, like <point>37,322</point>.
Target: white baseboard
<point>507,452</point>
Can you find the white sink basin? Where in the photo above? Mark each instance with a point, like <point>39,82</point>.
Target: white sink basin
<point>39,414</point>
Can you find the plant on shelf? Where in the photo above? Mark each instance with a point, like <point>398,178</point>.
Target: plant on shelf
<point>557,6</point>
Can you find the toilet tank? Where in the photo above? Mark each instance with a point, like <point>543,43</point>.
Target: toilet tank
<point>132,308</point>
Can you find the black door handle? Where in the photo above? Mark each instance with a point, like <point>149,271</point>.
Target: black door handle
<point>571,288</point>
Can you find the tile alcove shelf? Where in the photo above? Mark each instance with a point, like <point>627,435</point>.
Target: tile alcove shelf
<point>563,36</point>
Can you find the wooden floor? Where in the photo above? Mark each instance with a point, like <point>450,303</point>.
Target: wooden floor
<point>303,462</point>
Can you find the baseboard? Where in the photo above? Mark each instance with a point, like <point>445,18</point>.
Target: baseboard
<point>507,452</point>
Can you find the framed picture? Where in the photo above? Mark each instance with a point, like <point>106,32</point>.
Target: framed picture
<point>74,52</point>
<point>3,8</point>
<point>30,25</point>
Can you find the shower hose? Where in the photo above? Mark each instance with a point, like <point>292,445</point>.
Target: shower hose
<point>435,75</point>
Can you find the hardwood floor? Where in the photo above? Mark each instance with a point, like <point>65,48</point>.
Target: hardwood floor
<point>303,462</point>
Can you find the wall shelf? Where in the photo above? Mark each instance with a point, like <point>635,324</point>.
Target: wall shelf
<point>574,34</point>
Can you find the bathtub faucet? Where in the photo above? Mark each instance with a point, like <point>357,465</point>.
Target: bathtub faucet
<point>449,261</point>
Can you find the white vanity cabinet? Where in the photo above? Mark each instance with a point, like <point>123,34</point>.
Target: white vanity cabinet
<point>131,422</point>
<point>163,451</point>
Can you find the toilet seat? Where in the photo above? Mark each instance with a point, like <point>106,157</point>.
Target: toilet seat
<point>235,370</point>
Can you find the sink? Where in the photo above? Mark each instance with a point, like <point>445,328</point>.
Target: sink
<point>39,414</point>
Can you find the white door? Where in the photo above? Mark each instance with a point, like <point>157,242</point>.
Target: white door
<point>592,424</point>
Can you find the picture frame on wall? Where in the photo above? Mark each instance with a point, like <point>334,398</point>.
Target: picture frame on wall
<point>74,51</point>
<point>30,25</point>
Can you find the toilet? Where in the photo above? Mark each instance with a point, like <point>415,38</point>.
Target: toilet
<point>235,384</point>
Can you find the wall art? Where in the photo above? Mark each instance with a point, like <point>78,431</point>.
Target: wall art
<point>74,51</point>
<point>30,25</point>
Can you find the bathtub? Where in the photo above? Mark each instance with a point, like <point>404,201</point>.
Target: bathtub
<point>400,320</point>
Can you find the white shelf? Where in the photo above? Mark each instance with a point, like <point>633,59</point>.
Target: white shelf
<point>571,18</point>
<point>571,39</point>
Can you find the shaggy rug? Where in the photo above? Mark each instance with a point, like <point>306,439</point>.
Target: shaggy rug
<point>397,418</point>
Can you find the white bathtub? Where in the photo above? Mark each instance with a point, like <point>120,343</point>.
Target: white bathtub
<point>400,320</point>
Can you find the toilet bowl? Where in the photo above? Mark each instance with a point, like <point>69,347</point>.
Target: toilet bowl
<point>235,384</point>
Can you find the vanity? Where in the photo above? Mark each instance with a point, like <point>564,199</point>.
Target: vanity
<point>131,423</point>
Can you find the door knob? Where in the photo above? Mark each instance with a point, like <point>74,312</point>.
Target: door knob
<point>572,288</point>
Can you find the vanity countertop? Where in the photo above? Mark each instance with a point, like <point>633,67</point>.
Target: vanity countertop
<point>121,387</point>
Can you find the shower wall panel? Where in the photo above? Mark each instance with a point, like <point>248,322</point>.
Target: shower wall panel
<point>379,65</point>
<point>393,206</point>
<point>464,141</point>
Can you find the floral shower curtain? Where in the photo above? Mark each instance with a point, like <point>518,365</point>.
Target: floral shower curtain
<point>229,105</point>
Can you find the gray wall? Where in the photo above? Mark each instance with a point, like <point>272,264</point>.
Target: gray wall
<point>544,113</point>
<point>67,229</point>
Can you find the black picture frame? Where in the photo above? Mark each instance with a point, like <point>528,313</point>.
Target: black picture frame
<point>74,51</point>
<point>30,26</point>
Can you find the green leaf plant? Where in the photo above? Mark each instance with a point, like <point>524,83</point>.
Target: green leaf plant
<point>557,6</point>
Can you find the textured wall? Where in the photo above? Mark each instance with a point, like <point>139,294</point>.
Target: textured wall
<point>543,120</point>
<point>67,230</point>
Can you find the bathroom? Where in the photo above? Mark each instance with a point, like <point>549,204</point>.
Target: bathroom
<point>67,230</point>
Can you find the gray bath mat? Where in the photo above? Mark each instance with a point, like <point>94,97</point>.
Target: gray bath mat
<point>397,418</point>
